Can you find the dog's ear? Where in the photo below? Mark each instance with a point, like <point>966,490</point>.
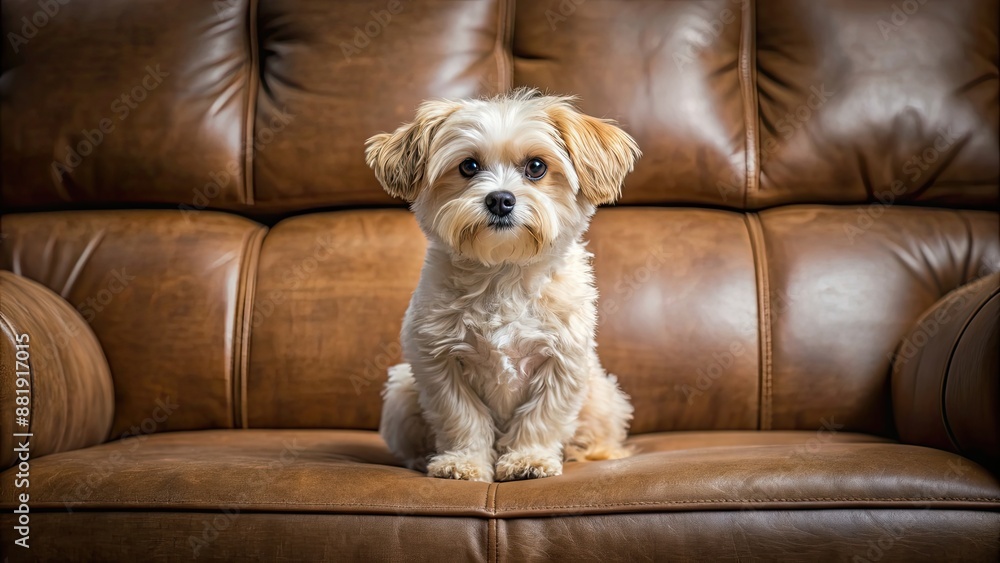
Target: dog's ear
<point>400,158</point>
<point>601,152</point>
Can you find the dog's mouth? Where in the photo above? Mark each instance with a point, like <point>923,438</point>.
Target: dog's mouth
<point>501,223</point>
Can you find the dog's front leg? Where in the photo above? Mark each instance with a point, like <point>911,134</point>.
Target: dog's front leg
<point>462,425</point>
<point>532,447</point>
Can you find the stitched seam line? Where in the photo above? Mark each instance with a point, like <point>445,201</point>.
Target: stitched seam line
<point>759,501</point>
<point>496,528</point>
<point>751,109</point>
<point>244,318</point>
<point>756,233</point>
<point>546,507</point>
<point>253,84</point>
<point>501,48</point>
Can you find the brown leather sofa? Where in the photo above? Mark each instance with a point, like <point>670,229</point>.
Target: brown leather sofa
<point>799,288</point>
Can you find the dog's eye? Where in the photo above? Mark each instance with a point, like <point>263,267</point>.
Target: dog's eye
<point>468,168</point>
<point>535,169</point>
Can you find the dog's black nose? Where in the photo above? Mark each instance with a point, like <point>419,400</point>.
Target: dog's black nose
<point>500,203</point>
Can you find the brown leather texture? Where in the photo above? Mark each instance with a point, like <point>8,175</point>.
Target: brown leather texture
<point>351,471</point>
<point>164,291</point>
<point>674,74</point>
<point>227,535</point>
<point>710,319</point>
<point>893,536</point>
<point>264,106</point>
<point>842,286</point>
<point>55,385</point>
<point>845,92</point>
<point>148,105</point>
<point>321,69</point>
<point>331,291</point>
<point>233,479</point>
<point>655,267</point>
<point>897,536</point>
<point>945,389</point>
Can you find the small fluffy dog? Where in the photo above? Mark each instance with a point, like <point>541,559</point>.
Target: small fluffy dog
<point>503,380</point>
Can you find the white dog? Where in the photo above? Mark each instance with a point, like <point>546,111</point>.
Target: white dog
<point>503,380</point>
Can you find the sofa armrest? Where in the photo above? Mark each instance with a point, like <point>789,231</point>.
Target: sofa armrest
<point>49,350</point>
<point>945,378</point>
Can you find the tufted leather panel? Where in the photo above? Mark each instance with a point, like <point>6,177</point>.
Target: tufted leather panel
<point>678,316</point>
<point>863,100</point>
<point>329,302</point>
<point>670,72</point>
<point>164,293</point>
<point>680,291</point>
<point>840,298</point>
<point>332,78</point>
<point>710,319</point>
<point>736,104</point>
<point>125,102</point>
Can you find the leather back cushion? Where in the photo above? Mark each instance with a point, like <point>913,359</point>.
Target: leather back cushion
<point>263,107</point>
<point>873,100</point>
<point>164,293</point>
<point>124,101</point>
<point>711,319</point>
<point>330,296</point>
<point>670,72</point>
<point>339,73</point>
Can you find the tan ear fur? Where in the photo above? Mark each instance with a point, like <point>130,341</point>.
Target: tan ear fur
<point>601,152</point>
<point>399,158</point>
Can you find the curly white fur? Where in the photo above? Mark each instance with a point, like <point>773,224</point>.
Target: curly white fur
<point>503,380</point>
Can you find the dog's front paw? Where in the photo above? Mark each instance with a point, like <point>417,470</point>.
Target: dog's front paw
<point>458,466</point>
<point>513,466</point>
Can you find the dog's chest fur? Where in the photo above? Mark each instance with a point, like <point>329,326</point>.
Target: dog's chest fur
<point>507,343</point>
<point>503,325</point>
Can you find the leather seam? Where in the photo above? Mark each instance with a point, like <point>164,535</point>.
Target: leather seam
<point>755,231</point>
<point>244,322</point>
<point>501,49</point>
<point>760,501</point>
<point>253,84</point>
<point>491,493</point>
<point>119,502</point>
<point>490,506</point>
<point>751,109</point>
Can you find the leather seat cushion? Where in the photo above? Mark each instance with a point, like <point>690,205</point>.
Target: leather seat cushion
<point>336,495</point>
<point>340,471</point>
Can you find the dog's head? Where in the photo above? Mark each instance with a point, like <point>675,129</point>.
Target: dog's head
<point>507,179</point>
